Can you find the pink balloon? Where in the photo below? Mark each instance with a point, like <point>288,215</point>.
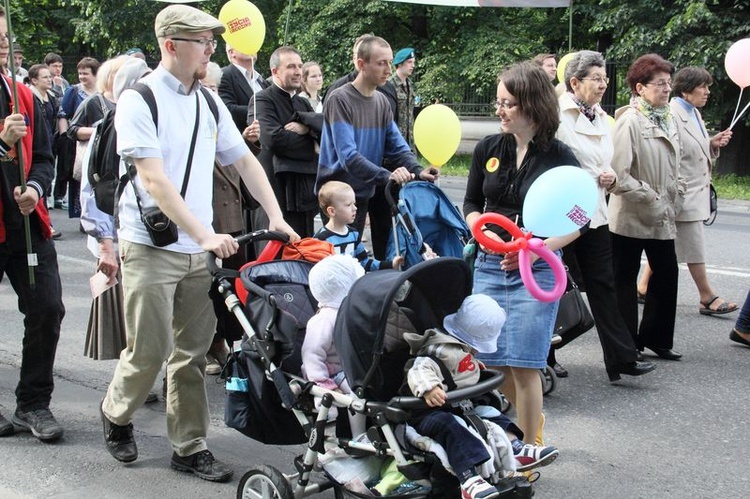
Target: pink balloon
<point>558,270</point>
<point>737,62</point>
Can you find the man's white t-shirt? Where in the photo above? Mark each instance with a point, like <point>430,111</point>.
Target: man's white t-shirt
<point>137,138</point>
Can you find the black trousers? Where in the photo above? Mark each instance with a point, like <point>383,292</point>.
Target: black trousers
<point>66,153</point>
<point>380,222</point>
<point>657,324</point>
<point>593,253</point>
<point>43,312</point>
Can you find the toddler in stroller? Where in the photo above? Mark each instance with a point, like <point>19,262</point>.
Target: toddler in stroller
<point>445,358</point>
<point>330,281</point>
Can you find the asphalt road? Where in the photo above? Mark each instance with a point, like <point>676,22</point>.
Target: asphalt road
<point>675,433</point>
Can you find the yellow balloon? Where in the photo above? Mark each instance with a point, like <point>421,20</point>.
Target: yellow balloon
<point>437,133</point>
<point>245,26</point>
<point>561,66</point>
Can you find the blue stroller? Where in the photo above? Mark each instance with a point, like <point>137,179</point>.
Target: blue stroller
<point>423,214</point>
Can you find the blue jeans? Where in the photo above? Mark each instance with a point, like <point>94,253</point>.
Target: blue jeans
<point>525,338</point>
<point>743,321</point>
<point>464,450</point>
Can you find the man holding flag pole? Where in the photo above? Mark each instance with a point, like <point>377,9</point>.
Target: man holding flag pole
<point>27,253</point>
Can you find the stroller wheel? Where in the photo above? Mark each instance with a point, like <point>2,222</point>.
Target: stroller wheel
<point>548,379</point>
<point>264,482</point>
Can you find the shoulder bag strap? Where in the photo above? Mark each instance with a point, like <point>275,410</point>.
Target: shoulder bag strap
<point>192,146</point>
<point>130,167</point>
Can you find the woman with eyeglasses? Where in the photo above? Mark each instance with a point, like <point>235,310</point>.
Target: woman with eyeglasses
<point>585,128</point>
<point>503,168</point>
<point>698,150</point>
<point>648,195</point>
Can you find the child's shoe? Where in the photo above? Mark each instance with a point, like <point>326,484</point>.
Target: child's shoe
<point>476,488</point>
<point>530,456</point>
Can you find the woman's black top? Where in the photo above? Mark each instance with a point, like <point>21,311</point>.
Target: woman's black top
<point>496,185</point>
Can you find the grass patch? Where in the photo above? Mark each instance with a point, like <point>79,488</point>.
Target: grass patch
<point>732,186</point>
<point>729,186</point>
<point>458,166</point>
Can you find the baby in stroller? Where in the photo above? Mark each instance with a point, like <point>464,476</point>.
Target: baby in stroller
<point>329,281</point>
<point>445,360</point>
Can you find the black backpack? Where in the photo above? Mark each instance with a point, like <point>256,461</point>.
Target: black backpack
<point>104,162</point>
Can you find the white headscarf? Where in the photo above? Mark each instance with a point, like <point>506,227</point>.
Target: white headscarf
<point>130,72</point>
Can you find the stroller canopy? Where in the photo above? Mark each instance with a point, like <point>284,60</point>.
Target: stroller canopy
<point>426,215</point>
<point>426,292</point>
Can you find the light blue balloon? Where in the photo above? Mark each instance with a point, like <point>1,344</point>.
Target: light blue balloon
<point>560,201</point>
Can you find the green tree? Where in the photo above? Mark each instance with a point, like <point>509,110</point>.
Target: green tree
<point>41,26</point>
<point>455,46</point>
<point>687,33</point>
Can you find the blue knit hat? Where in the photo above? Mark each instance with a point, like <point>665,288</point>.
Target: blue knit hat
<point>402,55</point>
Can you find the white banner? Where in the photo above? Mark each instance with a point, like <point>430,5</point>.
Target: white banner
<point>491,3</point>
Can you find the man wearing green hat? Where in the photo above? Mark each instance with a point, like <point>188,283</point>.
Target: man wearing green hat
<point>404,62</point>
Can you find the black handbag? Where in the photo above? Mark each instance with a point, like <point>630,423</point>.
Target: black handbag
<point>713,205</point>
<point>573,315</point>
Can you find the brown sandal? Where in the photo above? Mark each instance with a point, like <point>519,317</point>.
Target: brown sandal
<point>724,308</point>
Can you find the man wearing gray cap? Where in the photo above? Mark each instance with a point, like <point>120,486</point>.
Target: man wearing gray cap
<point>167,311</point>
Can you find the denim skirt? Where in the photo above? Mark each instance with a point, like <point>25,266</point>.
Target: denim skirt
<point>525,338</point>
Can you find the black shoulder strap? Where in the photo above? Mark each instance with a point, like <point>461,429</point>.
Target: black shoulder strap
<point>148,96</point>
<point>447,376</point>
<point>211,103</point>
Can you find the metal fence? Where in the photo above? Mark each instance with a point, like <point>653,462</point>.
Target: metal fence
<point>480,104</point>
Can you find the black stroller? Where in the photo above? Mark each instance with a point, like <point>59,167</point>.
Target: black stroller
<point>269,401</point>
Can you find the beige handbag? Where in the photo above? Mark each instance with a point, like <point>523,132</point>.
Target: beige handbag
<point>81,146</point>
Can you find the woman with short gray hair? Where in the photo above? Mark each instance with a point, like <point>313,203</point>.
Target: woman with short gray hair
<point>585,128</point>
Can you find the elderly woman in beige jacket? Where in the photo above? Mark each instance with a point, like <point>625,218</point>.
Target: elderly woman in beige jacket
<point>698,150</point>
<point>648,195</point>
<point>585,128</point>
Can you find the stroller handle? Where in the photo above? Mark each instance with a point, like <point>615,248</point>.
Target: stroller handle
<point>391,194</point>
<point>493,381</point>
<point>258,235</point>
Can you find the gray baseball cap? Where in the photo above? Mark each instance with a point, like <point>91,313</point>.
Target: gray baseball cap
<point>185,19</point>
